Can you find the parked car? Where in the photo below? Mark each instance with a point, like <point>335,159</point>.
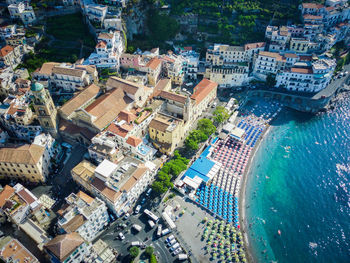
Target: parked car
<point>175,246</point>
<point>159,230</point>
<point>151,223</point>
<point>171,242</point>
<point>137,227</point>
<point>171,237</point>
<point>121,236</point>
<point>149,191</point>
<point>177,251</point>
<point>137,209</point>
<point>126,216</point>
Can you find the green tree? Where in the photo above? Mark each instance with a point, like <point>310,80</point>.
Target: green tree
<point>271,80</point>
<point>191,144</point>
<point>134,252</point>
<point>162,27</point>
<point>206,126</point>
<point>220,114</point>
<point>159,187</point>
<point>149,251</point>
<point>153,259</point>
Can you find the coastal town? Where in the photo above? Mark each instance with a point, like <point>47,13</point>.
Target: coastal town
<point>120,155</point>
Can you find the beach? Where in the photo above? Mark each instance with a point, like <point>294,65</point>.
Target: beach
<point>242,199</point>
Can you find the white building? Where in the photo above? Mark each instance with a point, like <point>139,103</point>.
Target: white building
<point>85,215</point>
<point>96,13</point>
<point>191,63</point>
<point>48,142</point>
<point>228,77</point>
<point>121,185</point>
<point>23,12</point>
<point>220,54</point>
<point>70,78</point>
<point>307,78</point>
<point>268,63</point>
<point>107,51</point>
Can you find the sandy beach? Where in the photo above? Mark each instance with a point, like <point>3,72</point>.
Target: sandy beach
<point>242,201</point>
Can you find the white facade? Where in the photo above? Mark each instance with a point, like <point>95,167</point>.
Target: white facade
<point>96,12</point>
<point>307,79</point>
<point>92,210</point>
<point>268,63</point>
<point>23,12</point>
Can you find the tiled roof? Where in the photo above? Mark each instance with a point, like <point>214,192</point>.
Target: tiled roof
<point>126,116</point>
<point>254,45</point>
<point>25,154</point>
<point>6,193</point>
<point>173,96</point>
<point>117,130</point>
<point>312,17</point>
<point>46,68</point>
<point>128,86</point>
<point>88,199</point>
<point>275,55</point>
<point>14,251</point>
<point>80,99</point>
<point>70,128</point>
<point>133,141</point>
<point>5,50</point>
<point>109,193</point>
<point>153,63</point>
<point>26,196</point>
<point>291,55</point>
<point>63,245</point>
<point>68,71</point>
<point>302,70</point>
<point>312,5</point>
<point>105,36</point>
<point>101,44</point>
<point>202,90</point>
<point>107,107</point>
<point>160,86</point>
<point>74,224</point>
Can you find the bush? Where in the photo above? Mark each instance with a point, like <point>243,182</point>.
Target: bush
<point>220,114</point>
<point>134,252</point>
<point>153,259</point>
<point>149,251</point>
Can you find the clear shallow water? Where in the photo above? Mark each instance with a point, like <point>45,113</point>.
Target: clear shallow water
<point>299,184</point>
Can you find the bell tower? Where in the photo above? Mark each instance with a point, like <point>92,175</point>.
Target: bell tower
<point>44,108</point>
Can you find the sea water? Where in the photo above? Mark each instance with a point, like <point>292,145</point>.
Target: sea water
<point>299,185</point>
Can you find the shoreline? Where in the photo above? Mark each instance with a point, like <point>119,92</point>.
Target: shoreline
<point>242,201</point>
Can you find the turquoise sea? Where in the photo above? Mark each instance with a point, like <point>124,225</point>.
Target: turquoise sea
<point>299,184</point>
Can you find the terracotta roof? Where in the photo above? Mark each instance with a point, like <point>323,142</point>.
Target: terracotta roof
<point>105,36</point>
<point>109,193</point>
<point>101,44</point>
<point>46,68</point>
<point>312,17</point>
<point>80,99</point>
<point>127,86</point>
<point>89,68</point>
<point>139,172</point>
<point>330,8</point>
<point>312,5</point>
<point>202,90</point>
<point>26,196</point>
<point>290,55</point>
<point>154,63</point>
<point>14,251</point>
<point>275,55</point>
<point>5,194</point>
<point>126,116</point>
<point>188,48</point>
<point>63,245</point>
<point>70,128</point>
<point>107,107</point>
<point>5,50</point>
<point>133,141</point>
<point>159,124</point>
<point>68,71</point>
<point>88,199</point>
<point>160,86</point>
<point>117,130</point>
<point>305,58</point>
<point>74,224</point>
<point>254,45</point>
<point>25,154</point>
<point>302,70</point>
<point>173,96</point>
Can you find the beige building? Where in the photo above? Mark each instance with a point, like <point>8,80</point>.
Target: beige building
<point>203,94</point>
<point>299,45</point>
<point>166,132</point>
<point>153,68</point>
<point>25,162</point>
<point>227,77</point>
<point>11,250</point>
<point>83,174</point>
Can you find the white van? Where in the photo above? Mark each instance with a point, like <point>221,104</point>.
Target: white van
<point>137,227</point>
<point>172,242</point>
<point>159,230</point>
<point>165,231</point>
<point>182,257</point>
<point>151,223</point>
<point>175,246</point>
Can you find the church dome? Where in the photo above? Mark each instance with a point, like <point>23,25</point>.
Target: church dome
<point>36,86</point>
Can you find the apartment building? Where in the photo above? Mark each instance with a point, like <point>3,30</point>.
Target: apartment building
<point>219,54</point>
<point>70,78</point>
<point>229,76</point>
<point>22,11</point>
<point>307,77</point>
<point>25,162</point>
<point>153,69</point>
<point>278,38</point>
<point>68,248</point>
<point>84,215</point>
<point>268,63</point>
<point>120,185</point>
<point>83,174</point>
<point>107,51</point>
<point>191,63</point>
